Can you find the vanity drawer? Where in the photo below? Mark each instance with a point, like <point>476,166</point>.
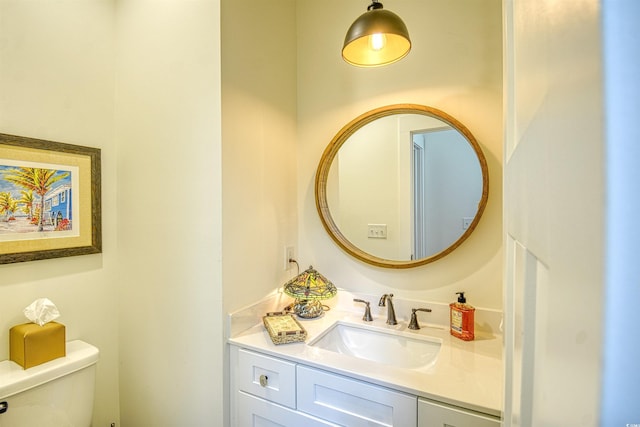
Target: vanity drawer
<point>257,412</point>
<point>267,377</point>
<point>433,414</point>
<point>353,403</point>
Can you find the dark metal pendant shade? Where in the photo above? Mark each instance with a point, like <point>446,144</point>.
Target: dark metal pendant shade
<point>377,37</point>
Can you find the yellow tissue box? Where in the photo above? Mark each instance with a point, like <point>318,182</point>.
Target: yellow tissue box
<point>31,344</point>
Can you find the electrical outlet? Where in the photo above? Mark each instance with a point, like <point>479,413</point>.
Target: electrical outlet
<point>289,253</point>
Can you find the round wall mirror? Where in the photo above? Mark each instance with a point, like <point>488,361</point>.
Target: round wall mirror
<point>401,186</point>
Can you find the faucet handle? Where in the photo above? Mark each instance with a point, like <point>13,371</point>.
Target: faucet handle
<point>367,311</point>
<point>413,323</point>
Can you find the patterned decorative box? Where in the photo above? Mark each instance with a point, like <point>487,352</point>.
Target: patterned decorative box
<point>283,328</point>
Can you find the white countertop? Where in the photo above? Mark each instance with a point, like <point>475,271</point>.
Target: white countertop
<point>466,373</point>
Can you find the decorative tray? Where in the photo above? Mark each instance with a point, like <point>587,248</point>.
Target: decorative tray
<point>283,328</point>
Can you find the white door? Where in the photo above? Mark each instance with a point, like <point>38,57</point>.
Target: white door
<point>554,212</point>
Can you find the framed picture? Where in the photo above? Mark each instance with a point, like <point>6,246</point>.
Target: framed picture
<point>50,199</point>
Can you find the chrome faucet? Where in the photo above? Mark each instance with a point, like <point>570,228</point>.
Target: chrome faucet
<point>413,323</point>
<point>367,311</point>
<point>391,313</point>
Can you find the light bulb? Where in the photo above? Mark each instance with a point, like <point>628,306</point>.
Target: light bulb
<point>377,41</point>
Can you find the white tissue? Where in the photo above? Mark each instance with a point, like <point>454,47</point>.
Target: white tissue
<point>41,311</point>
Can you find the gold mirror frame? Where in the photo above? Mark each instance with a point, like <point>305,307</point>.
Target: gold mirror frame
<point>343,135</point>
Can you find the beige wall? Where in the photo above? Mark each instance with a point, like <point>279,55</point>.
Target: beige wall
<point>259,146</point>
<point>455,65</point>
<point>142,80</point>
<point>169,213</point>
<point>259,217</point>
<point>57,83</point>
<point>374,193</point>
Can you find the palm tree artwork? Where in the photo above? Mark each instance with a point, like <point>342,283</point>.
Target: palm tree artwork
<point>27,201</point>
<point>34,180</point>
<point>8,205</point>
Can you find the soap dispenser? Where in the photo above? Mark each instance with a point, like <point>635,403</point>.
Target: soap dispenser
<point>461,318</point>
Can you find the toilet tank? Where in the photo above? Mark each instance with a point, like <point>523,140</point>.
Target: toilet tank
<point>58,393</point>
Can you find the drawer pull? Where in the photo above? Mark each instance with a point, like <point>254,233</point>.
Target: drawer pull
<point>263,380</point>
<point>3,407</point>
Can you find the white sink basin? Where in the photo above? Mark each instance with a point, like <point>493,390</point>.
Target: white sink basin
<point>400,349</point>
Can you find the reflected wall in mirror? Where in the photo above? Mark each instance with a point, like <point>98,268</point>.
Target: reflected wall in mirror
<point>401,186</point>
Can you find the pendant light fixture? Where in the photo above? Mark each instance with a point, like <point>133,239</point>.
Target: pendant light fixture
<point>377,37</point>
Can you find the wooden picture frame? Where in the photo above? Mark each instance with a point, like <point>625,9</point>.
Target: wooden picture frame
<point>50,199</point>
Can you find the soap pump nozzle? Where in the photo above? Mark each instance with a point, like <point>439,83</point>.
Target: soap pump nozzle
<point>461,298</point>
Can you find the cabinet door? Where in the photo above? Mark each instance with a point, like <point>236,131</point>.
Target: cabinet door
<point>431,414</point>
<point>256,412</point>
<point>353,403</point>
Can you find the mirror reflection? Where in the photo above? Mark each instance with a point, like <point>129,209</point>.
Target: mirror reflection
<point>401,186</point>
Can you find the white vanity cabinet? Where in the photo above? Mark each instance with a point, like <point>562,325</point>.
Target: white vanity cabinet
<point>349,402</point>
<point>256,412</point>
<point>269,391</point>
<point>434,414</point>
<point>263,392</point>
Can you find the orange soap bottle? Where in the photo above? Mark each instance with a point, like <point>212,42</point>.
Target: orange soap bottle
<point>461,318</point>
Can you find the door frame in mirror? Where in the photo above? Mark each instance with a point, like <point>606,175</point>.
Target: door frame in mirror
<point>322,175</point>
